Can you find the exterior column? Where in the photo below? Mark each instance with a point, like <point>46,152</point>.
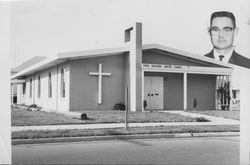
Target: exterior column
<point>185,91</point>
<point>142,103</point>
<point>220,82</point>
<point>134,35</point>
<point>230,93</point>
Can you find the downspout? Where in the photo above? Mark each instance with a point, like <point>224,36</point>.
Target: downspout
<point>56,87</point>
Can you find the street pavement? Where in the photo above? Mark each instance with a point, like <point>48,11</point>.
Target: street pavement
<point>214,121</point>
<point>206,150</point>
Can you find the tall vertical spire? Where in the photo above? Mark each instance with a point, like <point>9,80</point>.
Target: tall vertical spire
<point>133,35</point>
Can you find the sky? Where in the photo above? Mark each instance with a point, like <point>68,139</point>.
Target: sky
<point>49,27</point>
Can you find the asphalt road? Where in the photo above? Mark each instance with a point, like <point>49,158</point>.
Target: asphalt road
<point>203,150</point>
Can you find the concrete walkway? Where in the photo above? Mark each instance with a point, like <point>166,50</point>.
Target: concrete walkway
<point>214,121</point>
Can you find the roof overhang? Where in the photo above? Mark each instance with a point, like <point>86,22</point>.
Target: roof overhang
<point>62,57</point>
<point>16,81</point>
<point>120,50</point>
<point>93,53</point>
<point>47,63</point>
<point>187,54</point>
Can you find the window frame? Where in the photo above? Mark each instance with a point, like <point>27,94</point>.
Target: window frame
<point>63,86</point>
<point>39,86</point>
<point>24,88</point>
<point>30,94</point>
<point>50,85</point>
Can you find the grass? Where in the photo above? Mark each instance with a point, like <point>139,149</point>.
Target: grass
<point>220,113</point>
<point>21,117</point>
<point>121,131</point>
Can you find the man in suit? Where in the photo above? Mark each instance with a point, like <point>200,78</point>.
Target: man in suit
<point>222,32</point>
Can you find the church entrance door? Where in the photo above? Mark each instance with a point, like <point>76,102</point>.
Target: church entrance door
<point>153,92</point>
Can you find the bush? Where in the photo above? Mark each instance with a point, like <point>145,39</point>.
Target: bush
<point>194,103</point>
<point>34,107</point>
<point>119,106</point>
<point>84,116</point>
<point>200,119</point>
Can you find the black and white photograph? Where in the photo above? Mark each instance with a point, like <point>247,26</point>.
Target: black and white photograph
<point>125,82</point>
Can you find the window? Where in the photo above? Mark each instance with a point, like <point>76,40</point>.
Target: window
<point>62,83</point>
<point>50,85</point>
<point>39,87</point>
<point>30,87</point>
<point>24,88</point>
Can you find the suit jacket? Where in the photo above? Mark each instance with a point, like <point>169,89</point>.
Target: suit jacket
<point>235,59</point>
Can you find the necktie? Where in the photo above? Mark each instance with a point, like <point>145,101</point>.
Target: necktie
<point>221,57</point>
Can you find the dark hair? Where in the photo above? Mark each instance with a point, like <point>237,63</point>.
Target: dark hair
<point>223,14</point>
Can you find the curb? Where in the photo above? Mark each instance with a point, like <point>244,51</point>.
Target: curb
<point>121,137</point>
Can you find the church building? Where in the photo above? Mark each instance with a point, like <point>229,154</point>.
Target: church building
<point>142,77</point>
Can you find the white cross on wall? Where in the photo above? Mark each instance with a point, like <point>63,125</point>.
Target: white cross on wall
<point>99,74</point>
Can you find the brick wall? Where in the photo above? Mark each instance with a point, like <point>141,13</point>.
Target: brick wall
<point>56,102</point>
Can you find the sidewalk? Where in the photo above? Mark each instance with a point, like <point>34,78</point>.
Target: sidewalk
<point>214,121</point>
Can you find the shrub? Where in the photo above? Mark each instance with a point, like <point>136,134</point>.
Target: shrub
<point>119,106</point>
<point>144,104</point>
<point>223,107</point>
<point>84,116</point>
<point>34,107</point>
<point>194,103</point>
<point>200,119</point>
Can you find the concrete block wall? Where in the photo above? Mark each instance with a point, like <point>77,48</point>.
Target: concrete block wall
<point>21,97</point>
<point>28,98</point>
<point>44,101</point>
<point>56,102</point>
<point>19,94</point>
<point>63,102</point>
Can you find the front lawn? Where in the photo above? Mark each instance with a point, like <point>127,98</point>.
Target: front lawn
<point>220,113</point>
<point>21,117</point>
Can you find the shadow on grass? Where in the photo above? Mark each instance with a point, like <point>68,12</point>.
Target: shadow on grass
<point>87,119</point>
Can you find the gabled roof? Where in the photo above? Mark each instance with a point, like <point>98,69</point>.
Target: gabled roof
<point>62,57</point>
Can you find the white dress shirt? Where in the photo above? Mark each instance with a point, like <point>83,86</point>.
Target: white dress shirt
<point>226,56</point>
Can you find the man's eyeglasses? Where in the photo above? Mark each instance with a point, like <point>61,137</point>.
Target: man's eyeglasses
<point>216,31</point>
